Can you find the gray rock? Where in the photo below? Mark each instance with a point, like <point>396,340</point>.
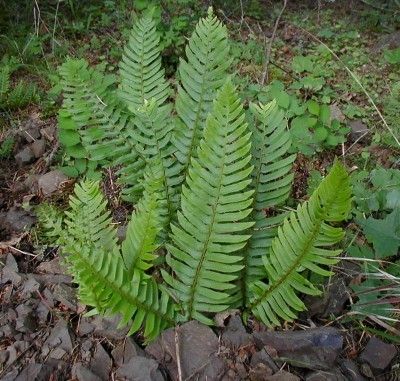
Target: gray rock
<point>4,356</point>
<point>101,363</point>
<point>47,279</point>
<point>38,148</point>
<point>320,375</point>
<point>140,369</point>
<point>49,132</point>
<point>30,129</point>
<point>24,157</point>
<point>51,182</point>
<point>358,130</point>
<point>30,286</point>
<point>235,334</point>
<point>390,41</point>
<point>336,113</point>
<point>10,376</point>
<point>7,274</point>
<point>107,327</point>
<point>82,373</point>
<point>263,357</point>
<point>198,347</point>
<point>51,267</point>
<point>66,295</point>
<point>26,320</point>
<point>18,220</point>
<point>333,300</point>
<point>85,327</point>
<point>350,370</point>
<point>86,349</point>
<point>126,350</point>
<point>260,372</point>
<point>313,348</point>
<point>11,262</point>
<point>282,375</point>
<point>59,337</point>
<point>378,354</point>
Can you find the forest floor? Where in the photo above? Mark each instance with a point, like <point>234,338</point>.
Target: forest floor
<point>44,334</point>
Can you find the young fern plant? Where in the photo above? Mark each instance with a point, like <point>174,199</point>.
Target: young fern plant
<point>208,233</point>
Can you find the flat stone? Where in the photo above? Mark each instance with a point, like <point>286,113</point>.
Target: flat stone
<point>30,129</point>
<point>7,274</point>
<point>350,370</point>
<point>30,372</point>
<point>38,148</point>
<point>60,337</point>
<point>335,296</point>
<point>390,41</point>
<point>18,220</point>
<point>66,295</point>
<point>85,327</point>
<point>260,372</point>
<point>198,347</point>
<point>316,348</point>
<point>101,363</point>
<point>30,286</point>
<point>26,320</point>
<point>282,375</point>
<point>49,132</point>
<point>51,182</point>
<point>378,354</point>
<point>140,369</point>
<point>107,327</point>
<point>320,375</point>
<point>235,334</point>
<point>24,157</point>
<point>263,357</point>
<point>126,350</point>
<point>336,113</point>
<point>81,373</point>
<point>358,130</point>
<point>51,267</point>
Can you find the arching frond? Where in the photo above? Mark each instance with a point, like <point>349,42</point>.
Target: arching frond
<point>142,77</point>
<point>212,220</point>
<point>202,74</point>
<point>303,242</point>
<point>272,178</point>
<point>94,259</point>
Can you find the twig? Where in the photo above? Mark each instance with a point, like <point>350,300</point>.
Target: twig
<point>54,28</point>
<point>264,76</point>
<point>177,352</point>
<point>241,14</point>
<point>355,78</point>
<point>22,252</point>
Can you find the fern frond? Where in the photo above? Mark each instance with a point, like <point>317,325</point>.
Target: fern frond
<point>142,76</point>
<point>140,244</point>
<point>212,220</point>
<point>153,136</point>
<point>202,74</point>
<point>303,242</point>
<point>271,180</point>
<point>5,74</point>
<point>95,261</point>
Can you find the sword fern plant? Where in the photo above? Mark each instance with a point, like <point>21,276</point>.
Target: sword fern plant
<point>209,181</point>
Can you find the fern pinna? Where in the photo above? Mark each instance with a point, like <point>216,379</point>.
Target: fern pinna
<point>208,181</point>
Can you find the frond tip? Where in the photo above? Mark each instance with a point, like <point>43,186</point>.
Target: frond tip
<point>303,242</point>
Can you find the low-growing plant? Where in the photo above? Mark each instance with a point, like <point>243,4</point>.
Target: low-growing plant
<point>209,179</point>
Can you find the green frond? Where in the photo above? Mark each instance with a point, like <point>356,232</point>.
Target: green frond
<point>303,243</point>
<point>140,244</point>
<point>95,261</point>
<point>142,77</point>
<point>152,134</point>
<point>202,74</point>
<point>212,220</point>
<point>5,73</point>
<point>96,126</point>
<point>272,179</point>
